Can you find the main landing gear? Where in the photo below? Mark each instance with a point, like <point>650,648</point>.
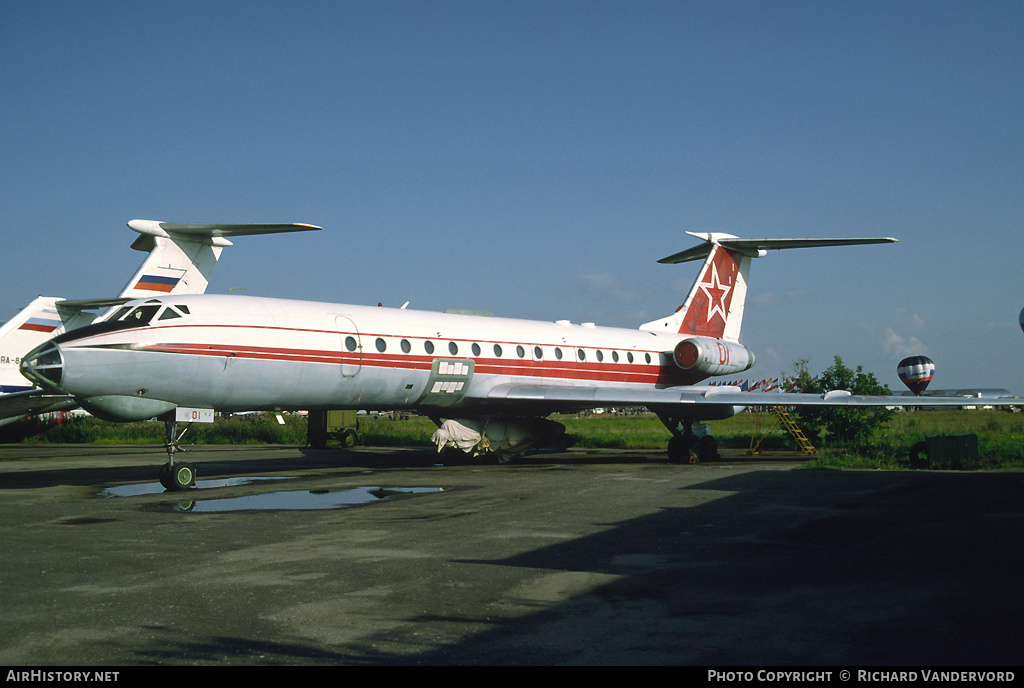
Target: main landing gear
<point>175,476</point>
<point>691,441</point>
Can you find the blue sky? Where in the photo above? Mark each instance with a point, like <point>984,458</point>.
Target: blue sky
<point>535,159</point>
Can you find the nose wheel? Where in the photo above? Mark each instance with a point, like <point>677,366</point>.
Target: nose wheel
<point>175,476</point>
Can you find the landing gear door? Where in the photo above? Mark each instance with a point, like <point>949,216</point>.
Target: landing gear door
<point>351,346</point>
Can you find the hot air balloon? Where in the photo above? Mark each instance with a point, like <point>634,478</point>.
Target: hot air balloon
<point>916,372</point>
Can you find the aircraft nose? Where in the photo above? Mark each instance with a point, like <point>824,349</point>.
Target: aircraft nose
<point>44,366</point>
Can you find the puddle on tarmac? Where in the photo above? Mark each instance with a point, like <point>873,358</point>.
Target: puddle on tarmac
<point>157,488</point>
<point>302,500</point>
<point>292,500</point>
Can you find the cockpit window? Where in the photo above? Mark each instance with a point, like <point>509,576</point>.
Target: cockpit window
<point>119,314</point>
<point>141,315</point>
<point>168,314</point>
<point>126,318</point>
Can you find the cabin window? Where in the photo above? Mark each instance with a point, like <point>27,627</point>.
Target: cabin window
<point>615,356</point>
<point>350,343</point>
<point>647,357</point>
<point>406,346</point>
<point>558,353</point>
<point>582,354</point>
<point>538,353</point>
<point>520,351</point>
<point>428,346</point>
<point>381,345</point>
<point>600,356</point>
<point>629,356</point>
<point>453,348</point>
<point>497,350</point>
<point>476,349</point>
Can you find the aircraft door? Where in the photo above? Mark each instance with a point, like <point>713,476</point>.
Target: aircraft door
<point>351,346</point>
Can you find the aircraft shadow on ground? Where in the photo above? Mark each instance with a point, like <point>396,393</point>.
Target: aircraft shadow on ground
<point>805,567</point>
<point>783,568</point>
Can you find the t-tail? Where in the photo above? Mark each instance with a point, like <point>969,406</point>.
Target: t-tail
<point>182,256</point>
<point>714,306</point>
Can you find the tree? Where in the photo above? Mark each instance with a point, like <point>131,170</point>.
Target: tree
<point>844,424</point>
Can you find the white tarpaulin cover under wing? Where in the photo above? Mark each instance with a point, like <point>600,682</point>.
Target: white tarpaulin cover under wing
<point>476,437</point>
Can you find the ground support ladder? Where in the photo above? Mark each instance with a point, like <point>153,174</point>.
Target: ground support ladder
<point>791,427</point>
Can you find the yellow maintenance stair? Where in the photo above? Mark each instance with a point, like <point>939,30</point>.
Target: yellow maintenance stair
<point>791,427</point>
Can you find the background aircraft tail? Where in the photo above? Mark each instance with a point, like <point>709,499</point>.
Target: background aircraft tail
<point>33,325</point>
<point>182,256</point>
<point>714,306</point>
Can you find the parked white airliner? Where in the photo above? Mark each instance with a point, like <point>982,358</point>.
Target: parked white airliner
<point>499,376</point>
<point>179,260</point>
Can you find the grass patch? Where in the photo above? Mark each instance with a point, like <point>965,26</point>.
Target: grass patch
<point>249,429</point>
<point>1000,441</point>
<point>1000,435</point>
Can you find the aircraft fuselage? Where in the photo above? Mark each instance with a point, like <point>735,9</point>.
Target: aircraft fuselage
<point>235,353</point>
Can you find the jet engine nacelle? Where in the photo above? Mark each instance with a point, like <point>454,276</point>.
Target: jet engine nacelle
<point>712,356</point>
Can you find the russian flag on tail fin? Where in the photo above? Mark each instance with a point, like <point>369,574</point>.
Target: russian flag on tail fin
<point>157,283</point>
<point>44,324</point>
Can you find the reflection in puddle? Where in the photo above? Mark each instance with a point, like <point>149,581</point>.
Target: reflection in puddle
<point>302,499</point>
<point>157,488</point>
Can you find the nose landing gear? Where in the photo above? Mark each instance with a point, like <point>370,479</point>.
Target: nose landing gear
<point>175,476</point>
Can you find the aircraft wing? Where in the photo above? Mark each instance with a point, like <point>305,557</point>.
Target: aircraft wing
<point>31,402</point>
<point>566,396</point>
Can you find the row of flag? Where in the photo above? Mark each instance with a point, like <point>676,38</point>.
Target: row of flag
<point>766,385</point>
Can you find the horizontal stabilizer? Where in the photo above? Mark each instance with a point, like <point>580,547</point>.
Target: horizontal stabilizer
<point>166,229</point>
<point>756,248</point>
<point>88,304</point>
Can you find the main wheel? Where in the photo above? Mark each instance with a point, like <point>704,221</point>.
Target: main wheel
<point>679,450</point>
<point>707,449</point>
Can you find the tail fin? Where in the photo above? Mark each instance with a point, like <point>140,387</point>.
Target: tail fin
<point>714,306</point>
